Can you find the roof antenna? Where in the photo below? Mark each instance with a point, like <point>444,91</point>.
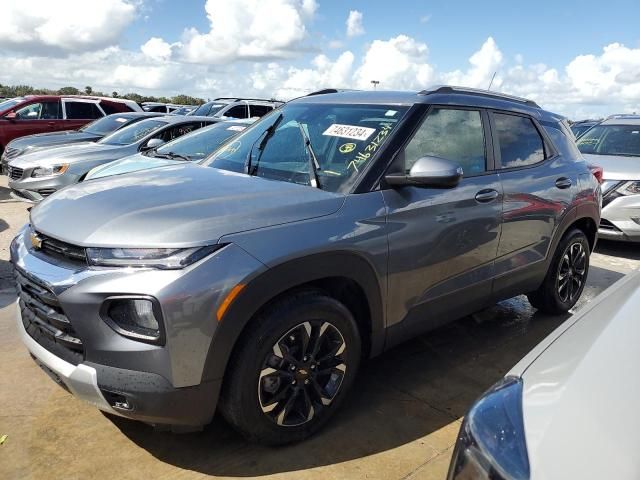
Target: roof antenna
<point>491,82</point>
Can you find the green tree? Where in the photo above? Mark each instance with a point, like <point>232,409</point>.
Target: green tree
<point>114,94</point>
<point>68,91</point>
<point>88,90</point>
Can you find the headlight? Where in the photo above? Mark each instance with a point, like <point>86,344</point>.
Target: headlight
<point>164,258</point>
<point>629,188</point>
<point>491,443</point>
<point>49,171</point>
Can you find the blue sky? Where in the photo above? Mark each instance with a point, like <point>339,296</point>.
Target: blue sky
<point>576,57</point>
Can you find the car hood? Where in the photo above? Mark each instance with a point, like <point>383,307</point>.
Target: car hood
<point>616,167</point>
<point>183,205</point>
<point>581,390</point>
<point>68,154</point>
<point>44,140</point>
<point>129,164</point>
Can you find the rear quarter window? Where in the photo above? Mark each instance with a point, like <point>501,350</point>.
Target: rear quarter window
<point>82,111</point>
<point>519,141</point>
<point>564,144</point>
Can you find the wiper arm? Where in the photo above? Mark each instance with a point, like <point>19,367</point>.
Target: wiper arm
<point>172,156</point>
<point>266,135</point>
<point>314,166</point>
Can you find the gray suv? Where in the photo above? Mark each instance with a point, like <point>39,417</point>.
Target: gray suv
<point>329,231</point>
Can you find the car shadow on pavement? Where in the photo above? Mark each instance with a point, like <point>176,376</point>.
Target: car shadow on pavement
<point>406,395</point>
<point>5,193</point>
<point>628,250</point>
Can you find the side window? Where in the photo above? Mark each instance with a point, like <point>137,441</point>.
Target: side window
<point>51,111</point>
<point>239,111</point>
<point>259,110</point>
<point>82,111</point>
<point>30,112</point>
<point>110,108</point>
<point>519,141</point>
<point>174,132</point>
<point>456,135</point>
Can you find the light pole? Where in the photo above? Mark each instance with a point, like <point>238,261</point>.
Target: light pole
<point>375,83</point>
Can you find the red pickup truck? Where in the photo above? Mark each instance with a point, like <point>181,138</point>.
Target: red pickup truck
<point>49,113</point>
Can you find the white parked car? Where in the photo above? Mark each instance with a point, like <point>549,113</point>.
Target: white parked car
<point>569,409</point>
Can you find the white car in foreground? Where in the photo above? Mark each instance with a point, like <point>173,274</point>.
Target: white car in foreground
<point>569,409</point>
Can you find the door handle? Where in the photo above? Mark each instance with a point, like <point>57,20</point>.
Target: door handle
<point>563,182</point>
<point>487,195</point>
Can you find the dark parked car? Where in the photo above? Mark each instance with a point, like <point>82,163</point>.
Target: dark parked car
<point>334,228</point>
<point>50,113</point>
<point>91,132</point>
<point>579,128</point>
<point>37,175</point>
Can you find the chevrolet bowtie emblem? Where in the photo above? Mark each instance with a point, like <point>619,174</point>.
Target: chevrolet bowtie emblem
<point>36,241</point>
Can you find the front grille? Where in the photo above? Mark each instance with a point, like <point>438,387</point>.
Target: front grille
<point>45,192</point>
<point>10,153</point>
<point>607,225</point>
<point>15,173</point>
<point>56,248</point>
<point>44,319</point>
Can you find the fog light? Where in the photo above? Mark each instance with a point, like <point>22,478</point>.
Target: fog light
<point>137,318</point>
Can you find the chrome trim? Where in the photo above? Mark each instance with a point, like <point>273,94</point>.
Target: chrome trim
<point>81,380</point>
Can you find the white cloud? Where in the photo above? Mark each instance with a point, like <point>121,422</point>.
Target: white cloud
<point>484,63</point>
<point>249,30</point>
<point>399,62</point>
<point>46,26</point>
<point>157,49</point>
<point>354,24</point>
<point>425,18</point>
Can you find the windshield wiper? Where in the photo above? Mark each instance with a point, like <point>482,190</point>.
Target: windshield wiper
<point>314,166</point>
<point>266,135</point>
<point>172,156</point>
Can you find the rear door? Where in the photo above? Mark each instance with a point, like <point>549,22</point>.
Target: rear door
<point>443,242</point>
<point>538,191</point>
<point>78,112</point>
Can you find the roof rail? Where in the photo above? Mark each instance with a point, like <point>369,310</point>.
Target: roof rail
<point>480,93</point>
<point>325,91</point>
<point>239,99</point>
<point>623,115</point>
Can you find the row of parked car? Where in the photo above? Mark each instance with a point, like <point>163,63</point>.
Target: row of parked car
<point>259,262</point>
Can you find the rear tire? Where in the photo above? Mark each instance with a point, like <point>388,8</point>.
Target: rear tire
<point>292,370</point>
<point>566,277</point>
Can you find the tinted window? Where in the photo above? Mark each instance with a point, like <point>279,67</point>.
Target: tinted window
<point>200,144</point>
<point>82,110</point>
<point>132,133</point>
<point>344,139</point>
<point>259,110</point>
<point>611,140</point>
<point>239,111</point>
<point>112,107</point>
<point>40,111</point>
<point>178,131</point>
<point>519,140</point>
<point>456,135</point>
<point>106,125</point>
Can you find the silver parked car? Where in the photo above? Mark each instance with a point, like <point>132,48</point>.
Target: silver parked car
<point>37,175</point>
<point>567,410</point>
<point>614,145</point>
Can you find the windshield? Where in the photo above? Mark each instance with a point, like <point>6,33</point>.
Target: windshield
<point>579,129</point>
<point>199,144</point>
<point>342,141</point>
<point>106,125</point>
<point>208,109</point>
<point>6,104</point>
<point>611,140</point>
<point>132,133</point>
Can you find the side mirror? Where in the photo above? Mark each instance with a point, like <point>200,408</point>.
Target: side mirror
<point>11,116</point>
<point>432,172</point>
<point>153,143</point>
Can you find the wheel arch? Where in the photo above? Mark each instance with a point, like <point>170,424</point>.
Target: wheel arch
<point>346,276</point>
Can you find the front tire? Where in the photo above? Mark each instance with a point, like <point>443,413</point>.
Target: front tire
<point>293,369</point>
<point>566,277</point>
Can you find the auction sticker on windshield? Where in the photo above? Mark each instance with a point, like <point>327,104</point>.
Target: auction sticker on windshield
<point>349,131</point>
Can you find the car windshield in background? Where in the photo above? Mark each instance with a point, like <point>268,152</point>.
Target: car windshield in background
<point>105,125</point>
<point>6,104</point>
<point>132,133</point>
<point>611,140</point>
<point>301,142</point>
<point>209,109</point>
<point>580,129</point>
<point>199,144</point>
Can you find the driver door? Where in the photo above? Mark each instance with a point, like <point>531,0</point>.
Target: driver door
<point>443,241</point>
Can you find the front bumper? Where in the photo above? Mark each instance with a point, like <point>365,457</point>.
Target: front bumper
<point>36,189</point>
<point>618,219</point>
<point>160,384</point>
